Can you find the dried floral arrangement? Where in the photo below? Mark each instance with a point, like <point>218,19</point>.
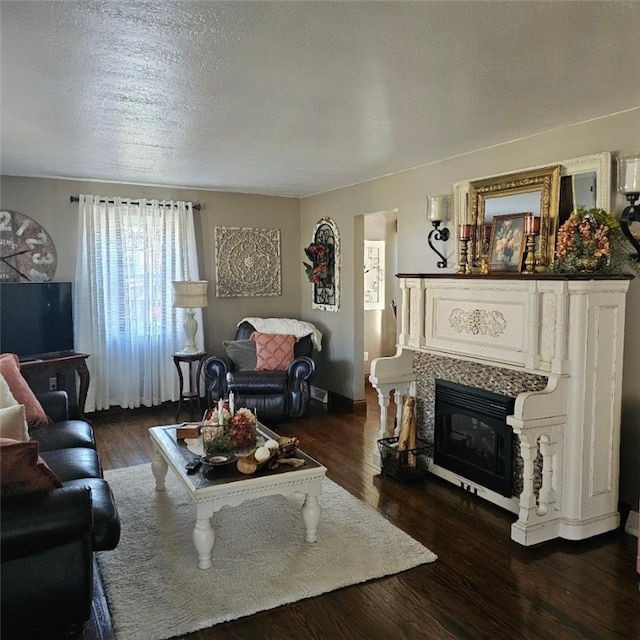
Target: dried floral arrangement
<point>591,241</point>
<point>225,430</point>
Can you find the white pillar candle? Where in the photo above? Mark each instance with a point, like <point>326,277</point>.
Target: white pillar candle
<point>220,411</point>
<point>231,404</point>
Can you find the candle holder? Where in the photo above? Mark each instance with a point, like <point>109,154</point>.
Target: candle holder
<point>629,185</point>
<point>464,235</point>
<point>530,260</point>
<point>531,230</point>
<point>438,234</point>
<point>484,265</point>
<point>629,215</point>
<point>464,266</point>
<point>437,209</point>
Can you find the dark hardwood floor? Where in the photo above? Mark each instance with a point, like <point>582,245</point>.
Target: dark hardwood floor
<point>483,584</point>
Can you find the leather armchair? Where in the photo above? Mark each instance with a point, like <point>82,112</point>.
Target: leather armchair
<point>275,395</point>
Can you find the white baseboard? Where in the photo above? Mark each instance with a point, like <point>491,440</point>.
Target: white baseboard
<point>321,395</point>
<point>632,524</point>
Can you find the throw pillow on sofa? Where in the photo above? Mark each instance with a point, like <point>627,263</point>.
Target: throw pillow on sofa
<point>6,397</point>
<point>10,370</point>
<point>274,351</point>
<point>22,470</point>
<point>13,423</point>
<point>242,353</point>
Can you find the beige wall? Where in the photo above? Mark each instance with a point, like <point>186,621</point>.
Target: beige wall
<point>340,364</point>
<point>405,192</point>
<point>47,201</point>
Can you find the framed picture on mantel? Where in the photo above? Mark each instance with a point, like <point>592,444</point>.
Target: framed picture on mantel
<point>507,242</point>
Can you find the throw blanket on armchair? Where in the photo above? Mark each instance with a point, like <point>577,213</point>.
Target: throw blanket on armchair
<point>287,326</point>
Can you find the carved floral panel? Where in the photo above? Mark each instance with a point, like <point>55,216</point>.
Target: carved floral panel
<point>247,262</point>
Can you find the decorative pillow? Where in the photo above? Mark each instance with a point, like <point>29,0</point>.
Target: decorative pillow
<point>10,370</point>
<point>6,397</point>
<point>22,470</point>
<point>242,353</point>
<point>274,351</point>
<point>13,423</point>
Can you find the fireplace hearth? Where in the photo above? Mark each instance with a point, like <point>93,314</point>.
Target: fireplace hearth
<point>471,435</point>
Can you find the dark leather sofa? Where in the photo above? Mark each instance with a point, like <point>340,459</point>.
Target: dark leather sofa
<point>48,540</point>
<point>275,395</point>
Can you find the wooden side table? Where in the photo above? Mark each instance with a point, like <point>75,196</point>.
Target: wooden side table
<point>58,367</point>
<point>193,392</point>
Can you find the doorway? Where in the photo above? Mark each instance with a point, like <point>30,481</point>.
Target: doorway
<point>380,286</point>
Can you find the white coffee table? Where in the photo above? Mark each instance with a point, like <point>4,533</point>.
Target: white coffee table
<point>233,488</point>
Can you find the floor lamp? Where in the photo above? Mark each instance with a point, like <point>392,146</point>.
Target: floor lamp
<point>190,295</point>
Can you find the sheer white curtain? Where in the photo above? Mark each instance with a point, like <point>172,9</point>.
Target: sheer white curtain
<point>128,255</point>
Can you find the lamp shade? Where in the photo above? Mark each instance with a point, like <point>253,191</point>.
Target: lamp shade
<point>629,173</point>
<point>437,208</point>
<point>190,294</point>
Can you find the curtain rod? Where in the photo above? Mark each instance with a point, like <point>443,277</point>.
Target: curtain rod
<point>196,205</point>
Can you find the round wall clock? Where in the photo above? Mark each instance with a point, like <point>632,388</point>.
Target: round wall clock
<point>27,252</point>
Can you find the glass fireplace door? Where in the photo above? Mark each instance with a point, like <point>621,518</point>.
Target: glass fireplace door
<point>472,437</point>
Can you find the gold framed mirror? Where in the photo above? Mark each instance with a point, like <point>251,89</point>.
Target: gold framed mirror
<point>594,169</point>
<point>533,191</point>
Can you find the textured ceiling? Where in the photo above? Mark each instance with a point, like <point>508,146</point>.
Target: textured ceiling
<point>296,98</point>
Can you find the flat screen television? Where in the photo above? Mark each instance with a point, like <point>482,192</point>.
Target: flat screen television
<point>36,319</point>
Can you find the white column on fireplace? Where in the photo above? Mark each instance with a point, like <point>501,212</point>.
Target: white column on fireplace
<point>569,330</point>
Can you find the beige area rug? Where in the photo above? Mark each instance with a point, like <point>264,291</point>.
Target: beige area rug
<point>260,559</point>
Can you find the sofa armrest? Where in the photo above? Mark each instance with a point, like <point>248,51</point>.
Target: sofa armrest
<point>301,370</point>
<point>35,523</point>
<point>47,563</point>
<point>55,404</point>
<point>215,372</point>
<point>300,374</point>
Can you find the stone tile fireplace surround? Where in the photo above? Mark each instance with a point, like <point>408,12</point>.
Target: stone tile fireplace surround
<point>552,342</point>
<point>428,367</point>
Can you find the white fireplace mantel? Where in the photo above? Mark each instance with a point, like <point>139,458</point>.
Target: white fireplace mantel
<point>571,331</point>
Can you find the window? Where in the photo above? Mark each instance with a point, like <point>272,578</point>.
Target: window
<point>128,255</point>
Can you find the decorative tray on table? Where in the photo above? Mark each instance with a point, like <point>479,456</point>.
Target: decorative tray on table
<point>226,436</point>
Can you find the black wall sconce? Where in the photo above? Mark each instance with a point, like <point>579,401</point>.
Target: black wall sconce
<point>437,212</point>
<point>629,184</point>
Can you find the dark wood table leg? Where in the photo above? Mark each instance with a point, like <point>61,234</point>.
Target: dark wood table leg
<point>83,374</point>
<point>177,361</point>
<point>194,383</point>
